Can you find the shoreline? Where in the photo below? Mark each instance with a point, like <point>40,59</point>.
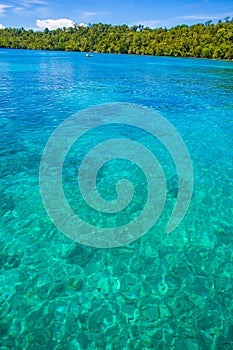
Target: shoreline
<point>118,53</point>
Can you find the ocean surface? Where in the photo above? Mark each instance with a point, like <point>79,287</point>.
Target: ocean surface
<point>162,291</point>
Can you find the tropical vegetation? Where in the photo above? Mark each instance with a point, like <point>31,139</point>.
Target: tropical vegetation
<point>206,40</point>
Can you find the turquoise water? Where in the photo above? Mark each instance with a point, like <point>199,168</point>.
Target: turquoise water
<point>163,291</point>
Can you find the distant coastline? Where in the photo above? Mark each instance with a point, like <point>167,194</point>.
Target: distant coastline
<point>212,41</point>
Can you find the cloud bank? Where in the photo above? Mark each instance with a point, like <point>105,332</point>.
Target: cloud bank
<point>1,26</point>
<point>54,23</point>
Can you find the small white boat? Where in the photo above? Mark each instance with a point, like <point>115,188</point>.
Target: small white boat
<point>89,55</point>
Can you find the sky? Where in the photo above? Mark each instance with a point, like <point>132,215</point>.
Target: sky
<point>39,14</point>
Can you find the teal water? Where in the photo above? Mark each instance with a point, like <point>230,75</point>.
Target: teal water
<point>163,291</point>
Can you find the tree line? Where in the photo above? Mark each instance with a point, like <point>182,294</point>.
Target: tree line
<point>206,40</point>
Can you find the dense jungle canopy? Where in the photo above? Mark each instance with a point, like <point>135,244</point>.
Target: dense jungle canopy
<point>207,40</point>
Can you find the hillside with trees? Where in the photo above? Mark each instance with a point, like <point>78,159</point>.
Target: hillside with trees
<point>207,40</point>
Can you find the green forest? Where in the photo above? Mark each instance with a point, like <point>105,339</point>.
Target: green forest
<point>206,40</point>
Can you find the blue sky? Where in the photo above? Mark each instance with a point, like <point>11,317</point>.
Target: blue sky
<point>154,13</point>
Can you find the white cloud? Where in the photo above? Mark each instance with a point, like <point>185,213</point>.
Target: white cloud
<point>1,26</point>
<point>31,7</point>
<point>30,3</point>
<point>54,23</point>
<point>201,17</point>
<point>206,17</point>
<point>3,8</point>
<point>27,11</point>
<point>82,24</point>
<point>89,15</point>
<point>19,9</point>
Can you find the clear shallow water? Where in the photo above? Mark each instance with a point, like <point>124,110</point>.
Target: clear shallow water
<point>161,292</point>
